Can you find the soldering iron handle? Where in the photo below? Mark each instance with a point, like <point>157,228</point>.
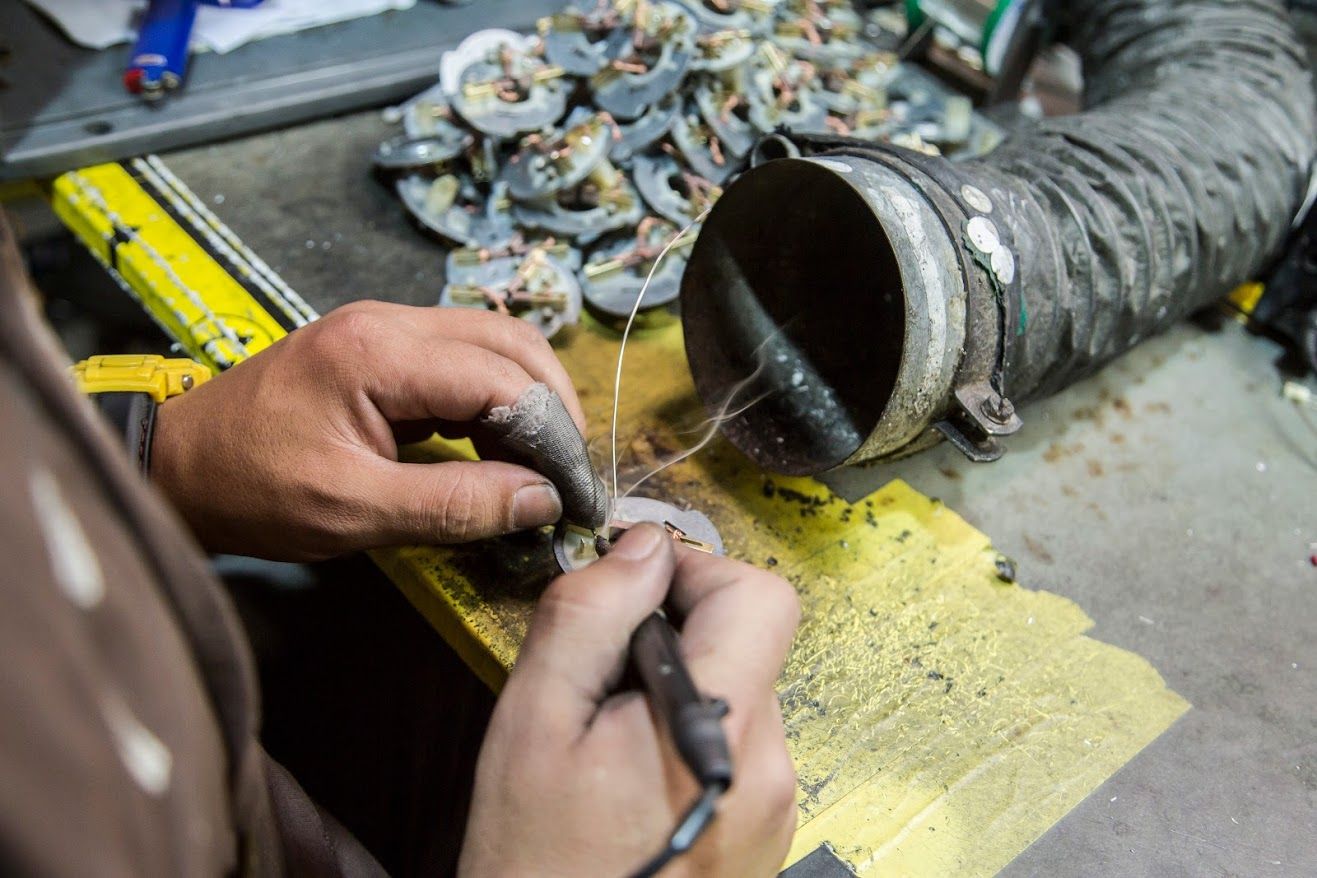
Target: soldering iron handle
<point>694,721</point>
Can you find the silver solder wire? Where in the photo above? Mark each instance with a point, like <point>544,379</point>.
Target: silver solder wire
<point>626,332</point>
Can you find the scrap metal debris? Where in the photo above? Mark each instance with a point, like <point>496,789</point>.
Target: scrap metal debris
<point>556,161</point>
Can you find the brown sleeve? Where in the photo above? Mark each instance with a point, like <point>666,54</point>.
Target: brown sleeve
<point>111,754</point>
<point>314,843</point>
<point>128,703</point>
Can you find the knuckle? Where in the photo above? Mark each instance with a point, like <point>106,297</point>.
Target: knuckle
<point>526,336</point>
<point>507,374</point>
<point>355,325</point>
<point>360,306</point>
<point>456,509</point>
<point>778,793</point>
<point>784,598</point>
<point>338,343</point>
<point>776,598</point>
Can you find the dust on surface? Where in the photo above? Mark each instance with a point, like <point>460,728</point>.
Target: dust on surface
<point>1038,550</point>
<point>1057,451</point>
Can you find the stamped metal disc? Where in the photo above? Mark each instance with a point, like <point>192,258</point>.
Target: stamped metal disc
<point>695,138</point>
<point>543,104</point>
<point>738,136</point>
<point>583,225</point>
<point>734,15</point>
<point>625,94</point>
<point>539,172</point>
<point>575,547</point>
<point>499,273</point>
<point>463,265</point>
<point>722,50</point>
<point>656,177</point>
<point>457,216</point>
<point>427,112</point>
<point>444,143</point>
<point>581,44</point>
<point>613,292</point>
<point>803,113</point>
<point>639,135</point>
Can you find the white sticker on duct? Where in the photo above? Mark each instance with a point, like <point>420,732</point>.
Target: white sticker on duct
<point>976,198</point>
<point>1003,265</point>
<point>982,234</point>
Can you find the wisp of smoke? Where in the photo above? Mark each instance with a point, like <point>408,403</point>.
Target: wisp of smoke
<point>713,425</point>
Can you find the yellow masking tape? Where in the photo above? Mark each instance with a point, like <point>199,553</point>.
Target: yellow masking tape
<point>1245,297</point>
<point>940,719</point>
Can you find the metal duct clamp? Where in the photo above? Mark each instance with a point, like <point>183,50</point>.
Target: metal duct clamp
<point>983,413</point>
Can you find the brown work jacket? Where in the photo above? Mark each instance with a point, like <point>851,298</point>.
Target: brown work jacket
<point>128,702</point>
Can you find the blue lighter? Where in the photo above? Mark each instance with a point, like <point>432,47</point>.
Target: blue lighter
<point>159,58</point>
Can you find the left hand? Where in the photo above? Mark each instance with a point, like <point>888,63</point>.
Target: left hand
<point>293,454</point>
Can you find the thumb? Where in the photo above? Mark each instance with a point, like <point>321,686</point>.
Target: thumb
<point>458,501</point>
<point>575,650</point>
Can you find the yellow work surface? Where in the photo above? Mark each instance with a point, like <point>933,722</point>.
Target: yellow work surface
<point>940,719</point>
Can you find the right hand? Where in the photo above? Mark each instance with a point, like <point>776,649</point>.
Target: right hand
<point>575,781</point>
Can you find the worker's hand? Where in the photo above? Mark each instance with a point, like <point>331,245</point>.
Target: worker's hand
<point>574,781</point>
<point>293,454</point>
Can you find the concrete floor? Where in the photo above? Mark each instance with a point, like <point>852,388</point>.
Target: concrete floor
<point>1173,497</point>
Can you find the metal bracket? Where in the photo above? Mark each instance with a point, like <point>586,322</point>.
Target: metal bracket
<point>983,450</point>
<point>990,412</point>
<point>984,415</point>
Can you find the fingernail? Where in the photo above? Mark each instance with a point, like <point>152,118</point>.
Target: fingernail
<point>638,543</point>
<point>536,506</point>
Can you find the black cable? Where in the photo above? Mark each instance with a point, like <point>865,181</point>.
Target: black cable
<point>688,831</point>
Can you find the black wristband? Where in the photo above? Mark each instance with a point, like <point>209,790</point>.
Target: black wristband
<point>132,416</point>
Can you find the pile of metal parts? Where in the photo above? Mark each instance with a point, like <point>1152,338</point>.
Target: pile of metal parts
<point>560,164</point>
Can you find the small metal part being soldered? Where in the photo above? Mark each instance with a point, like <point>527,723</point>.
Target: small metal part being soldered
<point>578,547</point>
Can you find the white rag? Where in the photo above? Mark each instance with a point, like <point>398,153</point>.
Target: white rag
<point>98,24</point>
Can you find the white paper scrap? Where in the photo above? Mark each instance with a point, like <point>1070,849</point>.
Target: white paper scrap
<point>99,24</point>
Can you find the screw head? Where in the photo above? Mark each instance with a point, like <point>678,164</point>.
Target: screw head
<point>187,382</point>
<point>998,409</point>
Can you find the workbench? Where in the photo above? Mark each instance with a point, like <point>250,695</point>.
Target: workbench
<point>1168,499</point>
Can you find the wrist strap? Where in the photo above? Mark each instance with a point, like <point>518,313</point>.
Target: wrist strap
<point>128,388</point>
<point>132,416</point>
<point>145,373</point>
